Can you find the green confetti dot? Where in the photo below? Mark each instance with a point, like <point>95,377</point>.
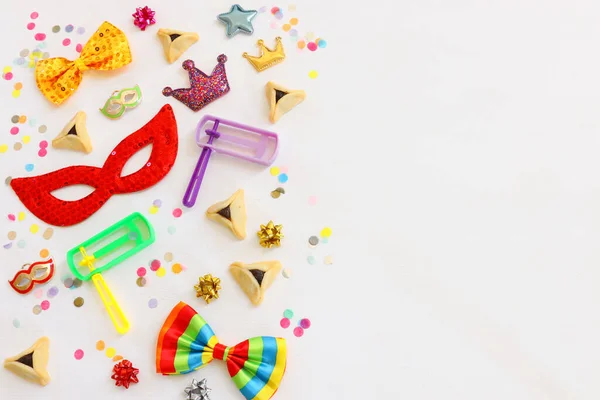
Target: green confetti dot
<point>56,29</point>
<point>289,314</point>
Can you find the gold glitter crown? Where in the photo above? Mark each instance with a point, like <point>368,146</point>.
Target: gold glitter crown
<point>268,57</point>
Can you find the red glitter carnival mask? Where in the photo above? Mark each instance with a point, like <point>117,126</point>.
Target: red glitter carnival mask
<point>36,192</point>
<point>204,89</point>
<point>37,273</point>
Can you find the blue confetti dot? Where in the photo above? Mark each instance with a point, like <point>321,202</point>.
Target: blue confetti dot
<point>171,229</point>
<point>21,244</point>
<point>16,323</point>
<point>28,167</point>
<point>42,45</point>
<point>322,43</point>
<point>69,28</point>
<point>283,178</point>
<point>311,260</point>
<point>32,121</point>
<point>324,240</point>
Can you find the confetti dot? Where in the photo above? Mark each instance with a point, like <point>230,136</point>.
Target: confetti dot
<point>326,232</point>
<point>283,178</point>
<point>325,240</point>
<point>171,229</point>
<point>161,272</point>
<point>298,331</point>
<point>37,309</point>
<point>55,29</point>
<point>78,48</point>
<point>289,314</point>
<point>311,260</point>
<point>141,271</point>
<point>177,212</point>
<point>274,10</point>
<point>42,129</point>
<point>16,323</point>
<point>18,86</point>
<point>154,265</point>
<point>313,241</point>
<point>40,36</point>
<point>3,148</point>
<point>301,44</point>
<point>78,302</point>
<point>32,121</point>
<point>312,200</point>
<point>34,229</point>
<point>275,194</point>
<point>168,256</point>
<point>14,130</point>
<point>287,273</point>
<point>152,303</point>
<point>100,345</point>
<point>81,30</point>
<point>305,323</point>
<point>66,42</point>
<point>8,76</point>
<point>14,119</point>
<point>274,171</point>
<point>48,233</point>
<point>19,61</point>
<point>285,323</point>
<point>28,167</point>
<point>43,144</point>
<point>12,217</point>
<point>117,358</point>
<point>69,28</point>
<point>286,27</point>
<point>279,15</point>
<point>274,25</point>
<point>17,146</point>
<point>34,15</point>
<point>45,305</point>
<point>110,352</point>
<point>53,291</point>
<point>68,283</point>
<point>21,244</point>
<point>176,268</point>
<point>294,21</point>
<point>153,210</point>
<point>42,152</point>
<point>328,260</point>
<point>312,46</point>
<point>310,35</point>
<point>78,354</point>
<point>31,26</point>
<point>21,216</point>
<point>77,283</point>
<point>44,253</point>
<point>313,74</point>
<point>7,69</point>
<point>141,281</point>
<point>322,43</point>
<point>12,235</point>
<point>157,203</point>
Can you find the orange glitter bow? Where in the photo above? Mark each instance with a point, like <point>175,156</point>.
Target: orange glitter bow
<point>107,49</point>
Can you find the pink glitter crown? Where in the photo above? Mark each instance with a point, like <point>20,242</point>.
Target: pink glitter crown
<point>204,89</point>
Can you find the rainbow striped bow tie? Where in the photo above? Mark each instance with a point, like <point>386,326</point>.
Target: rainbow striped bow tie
<point>186,342</point>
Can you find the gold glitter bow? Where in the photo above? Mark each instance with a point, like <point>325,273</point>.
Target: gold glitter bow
<point>270,235</point>
<point>107,49</point>
<point>208,287</point>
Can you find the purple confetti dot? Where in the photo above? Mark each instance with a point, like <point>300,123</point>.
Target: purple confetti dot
<point>305,323</point>
<point>152,303</point>
<point>53,291</point>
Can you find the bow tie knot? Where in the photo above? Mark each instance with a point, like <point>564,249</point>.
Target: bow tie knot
<point>220,352</point>
<point>80,65</point>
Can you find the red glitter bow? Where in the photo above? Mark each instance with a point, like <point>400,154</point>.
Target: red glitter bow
<point>36,192</point>
<point>124,374</point>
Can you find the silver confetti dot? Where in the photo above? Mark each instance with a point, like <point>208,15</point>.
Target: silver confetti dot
<point>313,241</point>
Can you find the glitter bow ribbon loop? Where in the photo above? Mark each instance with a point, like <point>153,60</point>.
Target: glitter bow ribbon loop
<point>58,78</point>
<point>186,342</point>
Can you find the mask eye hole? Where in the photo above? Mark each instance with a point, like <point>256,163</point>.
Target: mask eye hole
<point>40,272</point>
<point>23,281</point>
<point>129,97</point>
<point>113,108</point>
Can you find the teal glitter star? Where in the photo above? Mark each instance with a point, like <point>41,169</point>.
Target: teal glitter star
<point>238,20</point>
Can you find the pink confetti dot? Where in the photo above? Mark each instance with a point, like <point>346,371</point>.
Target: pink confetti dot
<point>45,305</point>
<point>38,293</point>
<point>312,46</point>
<point>177,212</point>
<point>312,200</point>
<point>66,42</point>
<point>40,36</point>
<point>285,323</point>
<point>78,354</point>
<point>142,271</point>
<point>8,76</point>
<point>42,152</point>
<point>274,10</point>
<point>14,130</point>
<point>283,170</point>
<point>305,323</point>
<point>34,15</point>
<point>155,265</point>
<point>30,26</point>
<point>11,217</point>
<point>43,144</point>
<point>79,47</point>
<point>298,331</point>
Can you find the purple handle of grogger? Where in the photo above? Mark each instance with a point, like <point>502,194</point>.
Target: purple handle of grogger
<point>191,193</point>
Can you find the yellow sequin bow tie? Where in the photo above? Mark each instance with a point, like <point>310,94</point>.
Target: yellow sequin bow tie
<point>107,49</point>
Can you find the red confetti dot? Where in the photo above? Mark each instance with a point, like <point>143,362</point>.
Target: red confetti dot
<point>298,331</point>
<point>78,354</point>
<point>285,323</point>
<point>45,305</point>
<point>42,152</point>
<point>141,271</point>
<point>11,217</point>
<point>14,130</point>
<point>274,10</point>
<point>34,15</point>
<point>30,26</point>
<point>66,42</point>
<point>155,265</point>
<point>177,212</point>
<point>40,36</point>
<point>8,76</point>
<point>312,46</point>
<point>305,323</point>
<point>79,47</point>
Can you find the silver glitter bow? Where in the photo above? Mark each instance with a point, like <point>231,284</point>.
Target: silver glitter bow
<point>197,390</point>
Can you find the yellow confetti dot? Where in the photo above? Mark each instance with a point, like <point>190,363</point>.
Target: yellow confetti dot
<point>26,139</point>
<point>310,35</point>
<point>110,352</point>
<point>274,171</point>
<point>294,21</point>
<point>313,74</point>
<point>16,93</point>
<point>34,229</point>
<point>31,64</point>
<point>176,268</point>
<point>301,44</point>
<point>286,27</point>
<point>100,345</point>
<point>153,210</point>
<point>21,216</point>
<point>44,253</point>
<point>18,86</point>
<point>326,232</point>
<point>7,69</point>
<point>22,118</point>
<point>3,148</point>
<point>161,272</point>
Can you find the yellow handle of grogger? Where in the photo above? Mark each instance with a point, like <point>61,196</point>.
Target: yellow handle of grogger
<point>117,316</point>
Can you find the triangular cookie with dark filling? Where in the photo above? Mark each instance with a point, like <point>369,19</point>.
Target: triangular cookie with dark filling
<point>74,135</point>
<point>255,279</point>
<point>231,213</point>
<point>175,43</point>
<point>31,363</point>
<point>282,100</point>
